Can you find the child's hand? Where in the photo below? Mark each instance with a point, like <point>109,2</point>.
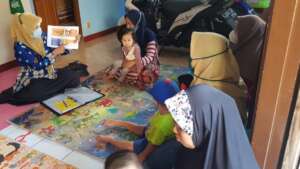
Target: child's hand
<point>100,146</point>
<point>103,139</point>
<point>109,123</point>
<point>141,158</point>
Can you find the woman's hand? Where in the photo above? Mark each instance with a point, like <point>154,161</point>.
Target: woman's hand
<point>58,51</point>
<point>77,38</point>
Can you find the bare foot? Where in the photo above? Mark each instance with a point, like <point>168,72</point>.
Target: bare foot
<point>108,77</point>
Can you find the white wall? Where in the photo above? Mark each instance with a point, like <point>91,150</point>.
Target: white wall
<point>6,46</point>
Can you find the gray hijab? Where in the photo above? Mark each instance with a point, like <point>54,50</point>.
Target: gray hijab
<point>250,31</point>
<point>217,130</point>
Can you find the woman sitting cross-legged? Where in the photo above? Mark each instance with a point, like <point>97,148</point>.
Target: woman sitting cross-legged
<point>37,79</point>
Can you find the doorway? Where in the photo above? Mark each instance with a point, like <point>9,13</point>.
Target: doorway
<point>58,12</point>
<point>277,82</point>
<point>65,12</point>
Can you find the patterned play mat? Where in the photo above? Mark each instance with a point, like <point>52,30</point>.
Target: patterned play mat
<point>16,155</point>
<point>78,129</point>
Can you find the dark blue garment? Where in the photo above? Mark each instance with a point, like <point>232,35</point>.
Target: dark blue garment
<point>219,134</point>
<point>144,35</point>
<point>34,66</point>
<point>42,89</point>
<point>139,145</point>
<point>25,56</point>
<point>164,157</point>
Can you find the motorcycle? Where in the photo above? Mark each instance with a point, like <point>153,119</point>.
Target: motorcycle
<point>174,20</point>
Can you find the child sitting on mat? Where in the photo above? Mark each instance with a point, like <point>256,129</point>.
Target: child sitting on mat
<point>131,55</point>
<point>158,130</point>
<point>122,160</point>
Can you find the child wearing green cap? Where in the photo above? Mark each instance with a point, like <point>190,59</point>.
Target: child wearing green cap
<point>158,130</point>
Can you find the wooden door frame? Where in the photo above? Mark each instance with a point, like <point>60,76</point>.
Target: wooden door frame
<point>277,82</point>
<point>47,9</point>
<point>76,11</point>
<point>289,127</point>
<point>77,15</point>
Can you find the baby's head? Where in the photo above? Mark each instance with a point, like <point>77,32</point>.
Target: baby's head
<point>162,90</point>
<point>185,81</point>
<point>123,160</point>
<point>126,37</point>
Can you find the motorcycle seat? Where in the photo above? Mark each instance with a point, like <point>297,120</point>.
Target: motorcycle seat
<point>172,8</point>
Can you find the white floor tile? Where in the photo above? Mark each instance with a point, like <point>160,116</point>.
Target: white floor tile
<point>53,149</point>
<point>9,129</point>
<point>83,161</point>
<point>24,135</point>
<point>16,131</point>
<point>32,139</point>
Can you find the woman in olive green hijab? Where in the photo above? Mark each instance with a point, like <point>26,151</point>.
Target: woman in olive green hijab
<point>215,65</point>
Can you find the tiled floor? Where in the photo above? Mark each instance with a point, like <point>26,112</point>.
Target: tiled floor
<point>24,136</point>
<point>53,149</point>
<point>101,52</point>
<point>83,161</point>
<point>97,54</point>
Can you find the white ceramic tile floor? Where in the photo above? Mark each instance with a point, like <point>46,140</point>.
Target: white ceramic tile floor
<point>28,139</point>
<point>8,130</point>
<point>83,161</point>
<point>53,149</point>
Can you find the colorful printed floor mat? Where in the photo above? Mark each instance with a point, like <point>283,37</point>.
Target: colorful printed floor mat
<point>24,157</point>
<point>79,128</point>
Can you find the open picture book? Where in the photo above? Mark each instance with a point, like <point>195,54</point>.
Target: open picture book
<point>63,35</point>
<point>71,99</point>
